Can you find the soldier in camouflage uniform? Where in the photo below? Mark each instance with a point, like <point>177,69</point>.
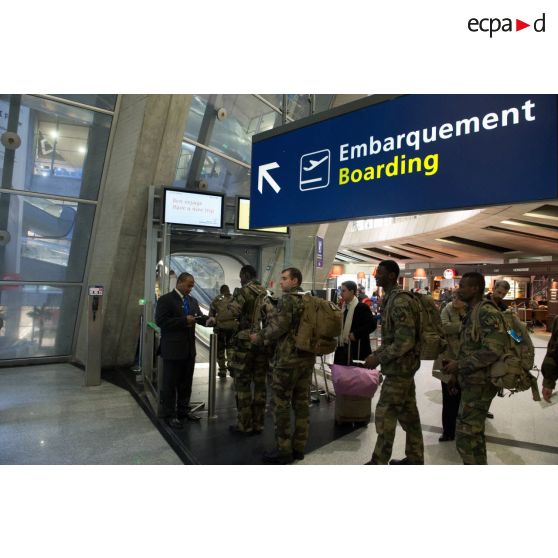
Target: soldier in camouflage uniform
<point>249,363</point>
<point>224,331</point>
<point>481,345</point>
<point>292,372</point>
<point>549,366</point>
<point>399,356</point>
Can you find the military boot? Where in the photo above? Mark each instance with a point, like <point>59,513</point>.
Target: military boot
<point>276,458</point>
<point>404,461</point>
<point>298,455</point>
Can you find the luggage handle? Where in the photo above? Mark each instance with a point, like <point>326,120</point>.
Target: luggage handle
<point>349,352</point>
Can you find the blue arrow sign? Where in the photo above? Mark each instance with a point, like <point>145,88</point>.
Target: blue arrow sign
<point>413,154</point>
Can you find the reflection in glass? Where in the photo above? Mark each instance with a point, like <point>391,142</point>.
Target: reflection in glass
<point>243,116</point>
<point>275,100</point>
<point>62,148</point>
<point>223,176</point>
<point>322,102</point>
<point>49,238</point>
<point>208,274</point>
<point>298,106</point>
<point>107,102</point>
<point>37,320</point>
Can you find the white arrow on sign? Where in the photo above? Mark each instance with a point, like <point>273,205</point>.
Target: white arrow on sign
<point>263,173</point>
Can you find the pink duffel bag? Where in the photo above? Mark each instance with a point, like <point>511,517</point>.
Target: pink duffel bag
<point>353,380</point>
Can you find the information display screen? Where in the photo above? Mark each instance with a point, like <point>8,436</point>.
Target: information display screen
<point>243,219</point>
<point>193,209</point>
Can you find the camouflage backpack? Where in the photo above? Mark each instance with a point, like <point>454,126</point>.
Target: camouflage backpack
<point>508,371</point>
<point>261,306</point>
<point>431,332</point>
<point>224,319</point>
<point>320,325</point>
<point>524,348</point>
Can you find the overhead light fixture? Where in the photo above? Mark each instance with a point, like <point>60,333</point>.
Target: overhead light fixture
<point>82,149</point>
<point>511,222</point>
<point>53,134</point>
<point>541,216</point>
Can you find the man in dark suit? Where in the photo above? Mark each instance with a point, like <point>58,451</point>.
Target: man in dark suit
<point>358,324</point>
<point>177,314</point>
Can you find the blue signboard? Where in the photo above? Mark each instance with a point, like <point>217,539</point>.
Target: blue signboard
<point>412,154</point>
<point>319,251</point>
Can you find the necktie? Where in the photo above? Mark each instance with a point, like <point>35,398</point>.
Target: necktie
<point>186,306</point>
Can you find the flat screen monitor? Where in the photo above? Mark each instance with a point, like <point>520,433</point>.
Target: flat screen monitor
<point>193,209</point>
<point>243,219</point>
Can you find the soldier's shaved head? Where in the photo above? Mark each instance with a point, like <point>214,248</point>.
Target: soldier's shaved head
<point>471,287</point>
<point>247,274</point>
<point>390,266</point>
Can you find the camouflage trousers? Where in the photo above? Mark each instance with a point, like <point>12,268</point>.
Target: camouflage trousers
<point>469,434</point>
<point>250,369</point>
<point>224,348</point>
<point>291,387</point>
<point>398,402</point>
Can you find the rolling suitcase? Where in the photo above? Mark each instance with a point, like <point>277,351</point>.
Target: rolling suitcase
<point>349,406</point>
<point>352,409</point>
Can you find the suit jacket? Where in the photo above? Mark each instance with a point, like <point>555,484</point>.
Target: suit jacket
<point>178,340</point>
<point>363,324</point>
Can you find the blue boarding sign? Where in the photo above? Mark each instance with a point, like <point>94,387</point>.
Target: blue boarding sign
<point>412,154</point>
<point>319,251</point>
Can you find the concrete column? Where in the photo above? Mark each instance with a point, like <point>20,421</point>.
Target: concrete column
<point>145,151</point>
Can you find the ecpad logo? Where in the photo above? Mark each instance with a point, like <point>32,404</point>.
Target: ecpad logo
<point>494,25</point>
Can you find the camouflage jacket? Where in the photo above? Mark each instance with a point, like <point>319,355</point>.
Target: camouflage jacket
<point>213,310</point>
<point>451,322</point>
<point>399,353</point>
<point>281,330</point>
<point>480,347</point>
<point>549,368</point>
<point>242,308</point>
<point>224,318</point>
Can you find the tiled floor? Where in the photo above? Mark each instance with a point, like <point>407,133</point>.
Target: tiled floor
<point>48,417</point>
<point>522,431</point>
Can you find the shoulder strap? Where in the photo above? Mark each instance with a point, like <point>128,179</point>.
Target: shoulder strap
<point>475,318</point>
<point>390,302</point>
<point>260,293</point>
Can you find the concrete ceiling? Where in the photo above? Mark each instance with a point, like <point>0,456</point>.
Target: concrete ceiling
<point>511,233</point>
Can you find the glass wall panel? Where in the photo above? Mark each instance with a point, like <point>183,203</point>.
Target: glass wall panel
<point>37,320</point>
<point>49,238</point>
<point>298,106</point>
<point>221,175</point>
<point>208,273</point>
<point>230,131</point>
<point>323,102</point>
<point>62,148</point>
<point>107,102</point>
<point>275,100</point>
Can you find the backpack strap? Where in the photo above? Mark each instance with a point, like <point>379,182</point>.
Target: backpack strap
<point>475,319</point>
<point>260,293</point>
<point>414,301</point>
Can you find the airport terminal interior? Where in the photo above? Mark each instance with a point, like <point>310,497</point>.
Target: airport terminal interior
<point>88,244</point>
